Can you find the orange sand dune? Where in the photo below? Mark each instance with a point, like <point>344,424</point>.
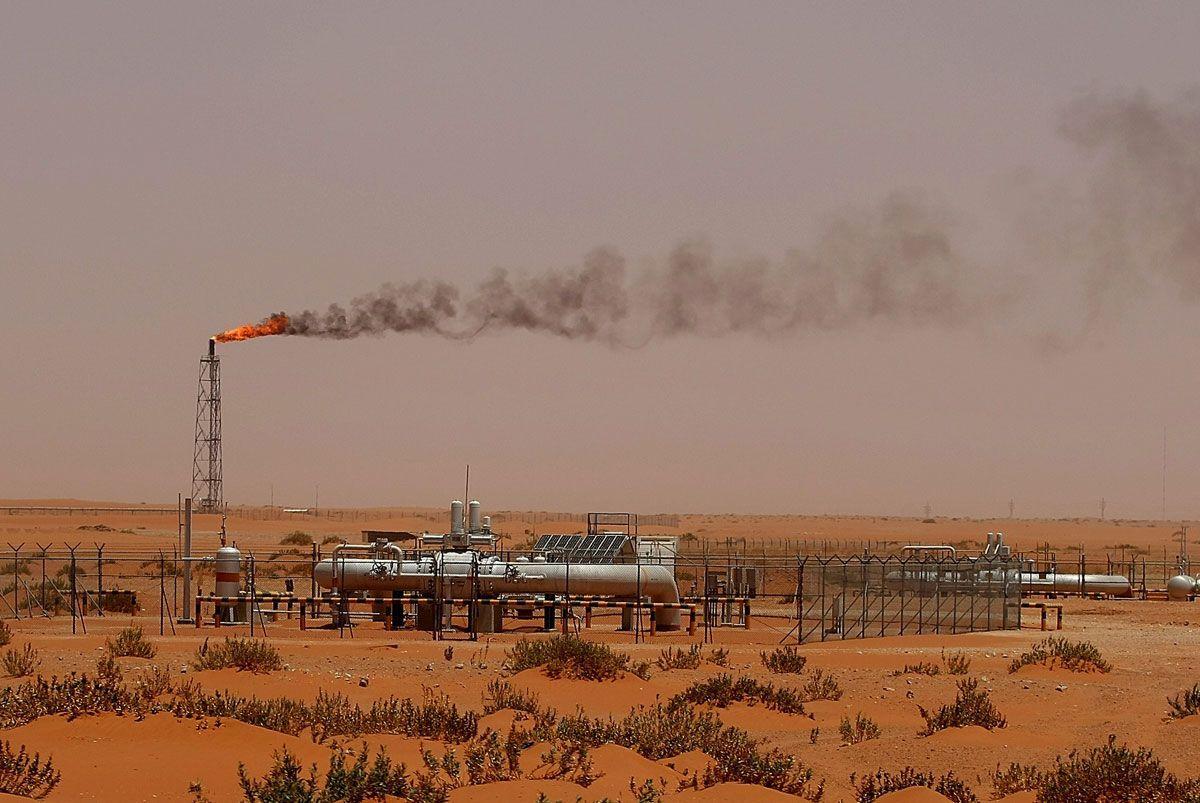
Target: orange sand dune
<point>108,757</point>
<point>723,792</point>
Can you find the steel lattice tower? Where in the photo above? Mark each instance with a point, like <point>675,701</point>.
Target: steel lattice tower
<point>207,485</point>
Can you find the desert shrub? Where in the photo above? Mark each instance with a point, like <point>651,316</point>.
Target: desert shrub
<point>1185,703</point>
<point>820,686</point>
<point>741,760</point>
<point>719,656</point>
<point>108,669</point>
<point>434,717</point>
<point>1110,773</point>
<point>957,663</point>
<point>567,656</point>
<point>1077,656</point>
<point>569,761</point>
<point>297,538</point>
<point>861,729</point>
<point>922,668</point>
<point>723,690</point>
<point>501,694</point>
<point>5,634</point>
<point>660,731</point>
<point>286,782</point>
<point>252,655</point>
<point>130,643</point>
<point>873,787</point>
<point>1017,778</point>
<point>26,776</point>
<point>972,706</point>
<point>332,539</point>
<point>20,664</point>
<point>679,658</point>
<point>783,660</point>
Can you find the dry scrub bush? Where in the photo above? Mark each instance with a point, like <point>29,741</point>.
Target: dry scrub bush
<point>252,655</point>
<point>5,634</point>
<point>972,706</point>
<point>500,694</point>
<point>873,787</point>
<point>1077,656</point>
<point>107,668</point>
<point>668,730</point>
<point>820,686</point>
<point>723,690</point>
<point>719,656</point>
<point>1185,703</point>
<point>286,782</point>
<point>297,537</point>
<point>130,643</point>
<point>861,729</point>
<point>923,668</point>
<point>679,658</point>
<point>956,664</point>
<point>572,657</point>
<point>1110,773</point>
<point>784,660</point>
<point>20,664</point>
<point>26,776</point>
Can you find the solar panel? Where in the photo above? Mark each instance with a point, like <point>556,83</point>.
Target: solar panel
<point>602,548</point>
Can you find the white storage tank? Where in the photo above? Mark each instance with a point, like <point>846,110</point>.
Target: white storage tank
<point>456,517</point>
<point>228,565</point>
<point>1180,587</point>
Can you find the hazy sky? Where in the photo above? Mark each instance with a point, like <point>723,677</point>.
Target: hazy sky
<point>171,169</point>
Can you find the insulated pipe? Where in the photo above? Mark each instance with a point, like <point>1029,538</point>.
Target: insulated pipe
<point>948,579</point>
<point>497,577</point>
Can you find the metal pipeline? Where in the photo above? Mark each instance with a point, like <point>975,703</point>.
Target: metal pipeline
<point>925,579</point>
<point>459,571</point>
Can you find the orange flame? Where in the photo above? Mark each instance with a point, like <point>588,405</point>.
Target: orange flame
<point>276,324</point>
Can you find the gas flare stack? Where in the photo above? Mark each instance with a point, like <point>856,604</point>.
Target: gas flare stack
<point>207,486</point>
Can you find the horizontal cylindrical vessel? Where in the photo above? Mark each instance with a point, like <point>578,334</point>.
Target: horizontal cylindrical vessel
<point>496,577</point>
<point>925,579</point>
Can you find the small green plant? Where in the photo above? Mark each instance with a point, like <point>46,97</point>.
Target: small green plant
<point>1111,772</point>
<point>784,660</point>
<point>5,634</point>
<point>107,668</point>
<point>719,656</point>
<point>501,694</point>
<point>820,686</point>
<point>362,780</point>
<point>26,776</point>
<point>1186,703</point>
<point>723,690</point>
<point>922,668</point>
<point>568,656</point>
<point>20,664</point>
<point>245,655</point>
<point>1076,656</point>
<point>679,658</point>
<point>873,787</point>
<point>813,735</point>
<point>297,537</point>
<point>130,643</point>
<point>972,706</point>
<point>861,729</point>
<point>957,663</point>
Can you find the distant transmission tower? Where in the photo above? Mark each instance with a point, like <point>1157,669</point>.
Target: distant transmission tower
<point>208,490</point>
